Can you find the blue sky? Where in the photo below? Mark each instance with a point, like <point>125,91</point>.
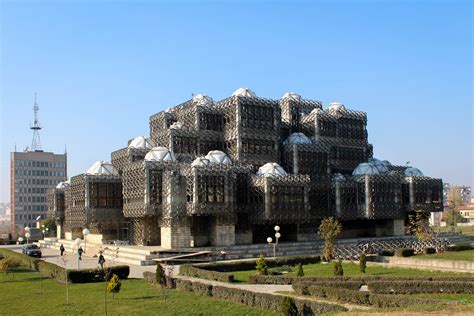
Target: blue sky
<point>101,68</point>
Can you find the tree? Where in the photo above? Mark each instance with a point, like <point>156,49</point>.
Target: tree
<point>8,264</point>
<point>114,285</point>
<point>362,262</point>
<point>50,224</point>
<point>418,225</point>
<point>300,271</point>
<point>160,276</point>
<point>329,230</point>
<point>261,265</point>
<point>452,218</point>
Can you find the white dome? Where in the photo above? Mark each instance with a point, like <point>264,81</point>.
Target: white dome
<point>365,169</point>
<point>413,172</point>
<point>271,169</point>
<point>102,168</point>
<point>292,96</point>
<point>63,185</point>
<point>201,162</point>
<point>315,111</point>
<point>244,92</point>
<point>339,177</point>
<point>176,125</point>
<point>141,142</point>
<point>298,138</point>
<point>218,157</point>
<point>336,106</point>
<point>160,154</point>
<point>203,99</point>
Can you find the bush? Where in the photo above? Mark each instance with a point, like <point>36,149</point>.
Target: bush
<point>51,270</point>
<point>300,271</point>
<point>97,275</point>
<point>24,260</point>
<point>386,252</point>
<point>362,262</point>
<point>288,307</point>
<point>429,250</point>
<point>192,271</point>
<point>404,252</point>
<point>415,287</point>
<point>160,276</point>
<point>337,268</point>
<point>261,266</point>
<point>459,247</point>
<point>8,264</point>
<point>114,285</point>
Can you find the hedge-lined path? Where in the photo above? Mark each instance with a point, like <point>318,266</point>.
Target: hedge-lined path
<point>87,262</point>
<point>274,289</point>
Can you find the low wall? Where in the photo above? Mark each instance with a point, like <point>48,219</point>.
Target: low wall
<point>436,264</point>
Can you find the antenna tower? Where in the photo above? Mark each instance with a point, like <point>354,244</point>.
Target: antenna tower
<point>36,141</point>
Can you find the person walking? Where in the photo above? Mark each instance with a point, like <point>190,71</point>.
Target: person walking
<point>80,252</point>
<point>101,261</point>
<point>61,248</point>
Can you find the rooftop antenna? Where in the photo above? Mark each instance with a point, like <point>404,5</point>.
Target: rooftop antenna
<point>36,141</point>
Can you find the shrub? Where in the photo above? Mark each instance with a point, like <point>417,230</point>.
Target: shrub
<point>8,264</point>
<point>261,266</point>
<point>51,270</point>
<point>387,252</point>
<point>362,262</point>
<point>192,271</point>
<point>149,277</point>
<point>459,247</point>
<point>97,275</point>
<point>160,277</point>
<point>429,250</point>
<point>24,260</point>
<point>288,307</point>
<point>404,252</point>
<point>415,287</point>
<point>337,268</point>
<point>114,285</point>
<point>300,271</point>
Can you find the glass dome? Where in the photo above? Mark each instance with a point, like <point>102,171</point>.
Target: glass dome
<point>298,138</point>
<point>291,95</point>
<point>365,168</point>
<point>339,177</point>
<point>102,168</point>
<point>160,154</point>
<point>244,92</point>
<point>413,172</point>
<point>141,142</point>
<point>218,157</point>
<point>201,162</point>
<point>271,169</point>
<point>203,99</point>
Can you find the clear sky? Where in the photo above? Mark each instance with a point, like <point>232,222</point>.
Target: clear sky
<point>101,68</point>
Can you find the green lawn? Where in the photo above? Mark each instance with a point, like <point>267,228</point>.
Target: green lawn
<point>319,269</point>
<point>467,255</point>
<point>21,295</point>
<point>465,230</point>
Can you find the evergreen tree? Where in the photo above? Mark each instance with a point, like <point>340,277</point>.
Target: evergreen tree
<point>261,265</point>
<point>300,271</point>
<point>114,285</point>
<point>362,262</point>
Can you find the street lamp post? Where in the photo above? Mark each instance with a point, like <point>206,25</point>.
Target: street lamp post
<point>270,240</point>
<point>20,240</point>
<point>78,243</point>
<point>85,232</point>
<point>47,231</point>
<point>27,235</point>
<point>43,231</point>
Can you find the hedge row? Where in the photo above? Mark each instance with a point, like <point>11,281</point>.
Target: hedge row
<point>360,298</point>
<point>364,279</point>
<point>24,260</point>
<point>54,271</point>
<point>192,271</point>
<point>460,247</point>
<point>415,287</point>
<point>250,264</point>
<point>404,252</point>
<point>254,299</point>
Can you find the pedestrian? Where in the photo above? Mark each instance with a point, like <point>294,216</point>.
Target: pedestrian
<point>101,261</point>
<point>80,252</point>
<point>61,248</point>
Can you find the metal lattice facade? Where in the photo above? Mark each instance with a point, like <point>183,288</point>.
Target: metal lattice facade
<point>179,197</point>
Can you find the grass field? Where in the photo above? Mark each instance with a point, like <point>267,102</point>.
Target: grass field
<point>467,255</point>
<point>21,295</point>
<point>465,230</point>
<point>319,269</point>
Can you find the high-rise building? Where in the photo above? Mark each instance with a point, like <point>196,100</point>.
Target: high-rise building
<point>32,172</point>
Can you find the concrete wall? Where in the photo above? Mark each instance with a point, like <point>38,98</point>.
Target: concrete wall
<point>243,238</point>
<point>176,237</point>
<point>435,264</point>
<point>223,235</point>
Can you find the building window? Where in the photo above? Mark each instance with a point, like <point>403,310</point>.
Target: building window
<point>211,189</point>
